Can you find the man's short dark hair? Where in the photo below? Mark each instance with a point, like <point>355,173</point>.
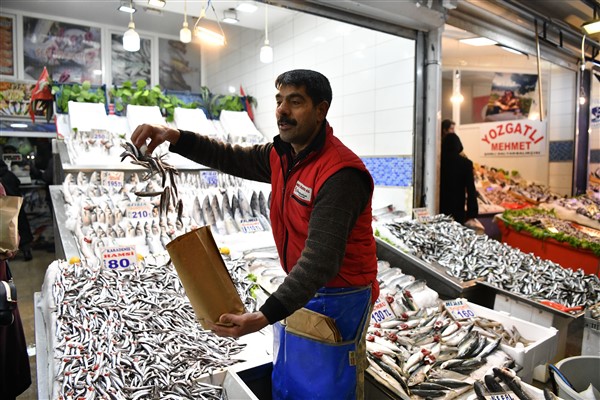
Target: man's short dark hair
<point>446,124</point>
<point>316,84</point>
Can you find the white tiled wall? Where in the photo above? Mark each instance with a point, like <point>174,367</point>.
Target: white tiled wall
<point>371,74</point>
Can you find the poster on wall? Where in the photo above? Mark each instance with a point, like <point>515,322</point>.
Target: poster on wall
<point>130,65</point>
<point>70,52</point>
<point>511,97</point>
<point>8,64</point>
<point>179,65</point>
<point>513,138</point>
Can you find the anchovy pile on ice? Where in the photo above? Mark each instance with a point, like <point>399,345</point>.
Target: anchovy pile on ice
<point>468,256</point>
<point>132,333</point>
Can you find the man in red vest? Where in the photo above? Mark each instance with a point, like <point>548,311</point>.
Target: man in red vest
<point>321,220</point>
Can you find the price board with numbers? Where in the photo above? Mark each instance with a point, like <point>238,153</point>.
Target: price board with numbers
<point>459,309</point>
<point>381,312</point>
<point>118,257</point>
<point>209,178</point>
<point>112,179</point>
<point>100,134</point>
<point>139,210</point>
<point>251,225</point>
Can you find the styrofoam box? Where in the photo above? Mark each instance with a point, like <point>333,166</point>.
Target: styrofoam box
<point>590,343</point>
<point>541,351</point>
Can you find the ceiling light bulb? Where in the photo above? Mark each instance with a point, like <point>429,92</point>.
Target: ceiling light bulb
<point>230,16</point>
<point>246,7</point>
<point>185,35</point>
<point>591,28</point>
<point>478,41</point>
<point>157,3</point>
<point>126,8</point>
<point>457,98</point>
<point>131,39</point>
<point>266,53</point>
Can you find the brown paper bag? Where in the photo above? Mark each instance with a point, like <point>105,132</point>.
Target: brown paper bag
<point>204,275</point>
<point>9,223</point>
<point>314,325</point>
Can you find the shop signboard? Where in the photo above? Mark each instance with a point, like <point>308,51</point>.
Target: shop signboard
<point>522,137</point>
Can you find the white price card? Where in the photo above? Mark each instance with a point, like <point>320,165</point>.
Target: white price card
<point>501,396</point>
<point>100,134</point>
<point>113,179</point>
<point>139,210</point>
<point>459,309</point>
<point>381,311</point>
<point>117,257</point>
<point>209,178</point>
<point>250,225</point>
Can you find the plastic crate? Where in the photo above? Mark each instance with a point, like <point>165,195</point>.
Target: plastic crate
<point>540,352</point>
<point>590,343</point>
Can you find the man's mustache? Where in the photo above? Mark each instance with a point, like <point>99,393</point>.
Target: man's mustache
<point>288,121</point>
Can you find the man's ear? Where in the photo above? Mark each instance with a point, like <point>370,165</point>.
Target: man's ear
<point>322,109</point>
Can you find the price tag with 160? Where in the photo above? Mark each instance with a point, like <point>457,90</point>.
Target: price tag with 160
<point>118,257</point>
<point>381,311</point>
<point>458,309</point>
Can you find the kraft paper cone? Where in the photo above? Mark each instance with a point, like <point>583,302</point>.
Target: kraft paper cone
<point>204,275</point>
<point>314,325</point>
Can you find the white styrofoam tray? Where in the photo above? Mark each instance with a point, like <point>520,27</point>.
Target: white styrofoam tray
<point>540,352</point>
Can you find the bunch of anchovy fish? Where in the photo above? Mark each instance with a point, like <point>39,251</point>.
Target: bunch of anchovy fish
<point>132,334</point>
<point>468,256</point>
<point>155,165</point>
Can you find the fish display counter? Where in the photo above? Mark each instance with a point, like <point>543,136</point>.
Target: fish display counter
<point>132,333</point>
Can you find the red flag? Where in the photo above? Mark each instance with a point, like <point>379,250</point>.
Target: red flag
<point>247,104</point>
<point>41,91</point>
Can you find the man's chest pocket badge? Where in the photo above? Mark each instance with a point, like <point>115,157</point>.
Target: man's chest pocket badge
<point>302,194</point>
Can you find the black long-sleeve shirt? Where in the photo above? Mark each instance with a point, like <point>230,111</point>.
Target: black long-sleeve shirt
<point>335,212</point>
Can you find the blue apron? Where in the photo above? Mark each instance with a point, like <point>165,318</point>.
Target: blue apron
<point>305,368</point>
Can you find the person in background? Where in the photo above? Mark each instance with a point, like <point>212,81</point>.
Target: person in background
<point>12,186</point>
<point>457,183</point>
<point>508,102</point>
<point>321,221</point>
<point>448,126</point>
<point>15,375</point>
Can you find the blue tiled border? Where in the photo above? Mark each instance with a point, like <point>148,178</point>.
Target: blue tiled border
<point>595,156</point>
<point>390,171</point>
<point>561,150</point>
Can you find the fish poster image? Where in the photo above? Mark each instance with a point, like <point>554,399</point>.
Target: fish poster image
<point>179,65</point>
<point>130,65</point>
<point>70,52</point>
<point>512,97</point>
<point>7,46</point>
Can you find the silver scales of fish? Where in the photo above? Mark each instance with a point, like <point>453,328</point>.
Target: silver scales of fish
<point>132,334</point>
<point>469,256</point>
<point>421,351</point>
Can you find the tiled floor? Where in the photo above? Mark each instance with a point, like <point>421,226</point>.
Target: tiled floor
<point>28,276</point>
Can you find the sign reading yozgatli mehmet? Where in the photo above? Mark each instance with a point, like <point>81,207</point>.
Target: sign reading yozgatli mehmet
<point>513,138</point>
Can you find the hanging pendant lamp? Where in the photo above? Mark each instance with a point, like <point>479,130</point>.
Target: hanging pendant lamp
<point>266,52</point>
<point>131,39</point>
<point>185,34</point>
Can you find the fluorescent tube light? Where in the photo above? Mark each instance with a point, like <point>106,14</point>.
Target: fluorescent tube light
<point>591,28</point>
<point>246,7</point>
<point>478,41</point>
<point>157,3</point>
<point>126,8</point>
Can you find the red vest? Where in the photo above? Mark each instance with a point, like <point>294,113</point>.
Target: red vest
<point>292,202</point>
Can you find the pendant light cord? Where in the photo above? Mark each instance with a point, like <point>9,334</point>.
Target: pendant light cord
<point>266,24</point>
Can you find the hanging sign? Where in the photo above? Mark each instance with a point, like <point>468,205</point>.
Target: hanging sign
<point>209,178</point>
<point>458,309</point>
<point>381,312</point>
<point>513,138</point>
<point>250,225</point>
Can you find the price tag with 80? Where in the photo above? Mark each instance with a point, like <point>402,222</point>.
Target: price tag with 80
<point>381,311</point>
<point>119,257</point>
<point>458,309</point>
<point>139,210</point>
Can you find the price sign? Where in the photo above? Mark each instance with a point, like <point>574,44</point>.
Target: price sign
<point>209,178</point>
<point>100,134</point>
<point>421,214</point>
<point>251,225</point>
<point>458,309</point>
<point>119,257</point>
<point>501,396</point>
<point>139,210</point>
<point>381,311</point>
<point>113,179</point>
<point>552,229</point>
